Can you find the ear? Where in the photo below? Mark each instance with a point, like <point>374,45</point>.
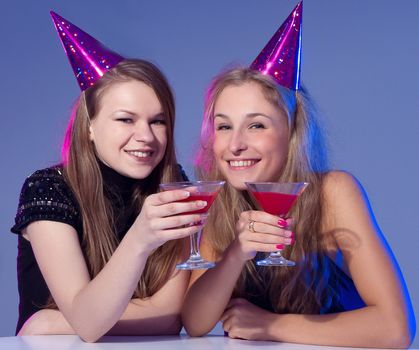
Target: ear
<point>91,134</point>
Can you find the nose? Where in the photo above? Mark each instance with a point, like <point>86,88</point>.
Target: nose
<point>237,142</point>
<point>143,133</point>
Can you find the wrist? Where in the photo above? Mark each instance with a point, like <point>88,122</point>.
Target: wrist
<point>139,247</point>
<point>236,251</point>
<point>273,327</point>
<point>233,253</point>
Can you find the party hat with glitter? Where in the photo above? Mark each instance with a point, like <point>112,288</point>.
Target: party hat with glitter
<point>88,57</point>
<point>281,57</point>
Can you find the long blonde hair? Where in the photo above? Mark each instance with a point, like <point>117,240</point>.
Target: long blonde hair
<point>82,172</point>
<point>310,286</point>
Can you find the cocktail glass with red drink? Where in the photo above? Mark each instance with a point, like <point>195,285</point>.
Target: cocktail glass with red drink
<point>276,199</point>
<point>199,191</point>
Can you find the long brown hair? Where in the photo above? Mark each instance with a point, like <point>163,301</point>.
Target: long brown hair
<point>310,286</point>
<point>82,172</point>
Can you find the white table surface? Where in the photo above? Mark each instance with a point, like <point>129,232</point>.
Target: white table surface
<point>182,342</point>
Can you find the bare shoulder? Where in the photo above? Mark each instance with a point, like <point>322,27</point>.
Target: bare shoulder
<point>340,184</point>
<point>346,209</point>
<point>343,192</point>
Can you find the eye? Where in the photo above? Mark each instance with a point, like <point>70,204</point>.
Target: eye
<point>125,120</point>
<point>257,126</point>
<point>158,122</point>
<point>221,127</point>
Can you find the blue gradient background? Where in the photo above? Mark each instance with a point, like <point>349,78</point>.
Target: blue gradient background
<point>359,61</point>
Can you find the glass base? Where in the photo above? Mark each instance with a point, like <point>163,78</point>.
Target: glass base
<point>195,264</point>
<point>279,261</point>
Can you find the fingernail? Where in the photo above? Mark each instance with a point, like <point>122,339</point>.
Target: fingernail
<point>279,246</point>
<point>292,240</point>
<point>202,204</point>
<point>186,194</point>
<point>288,240</point>
<point>289,234</point>
<point>292,235</point>
<point>282,223</point>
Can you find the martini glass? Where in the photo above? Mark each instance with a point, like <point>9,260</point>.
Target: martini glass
<point>199,191</point>
<point>276,199</point>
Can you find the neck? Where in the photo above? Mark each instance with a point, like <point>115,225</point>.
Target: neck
<point>116,181</point>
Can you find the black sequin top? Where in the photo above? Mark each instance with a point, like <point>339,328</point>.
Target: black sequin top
<point>45,195</point>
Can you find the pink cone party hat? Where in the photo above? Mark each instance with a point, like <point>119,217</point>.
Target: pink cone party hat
<point>281,57</point>
<point>88,57</point>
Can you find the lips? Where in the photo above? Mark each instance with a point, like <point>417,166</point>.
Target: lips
<point>242,163</point>
<point>140,154</point>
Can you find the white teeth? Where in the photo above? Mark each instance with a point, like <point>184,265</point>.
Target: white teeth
<point>241,163</point>
<point>140,154</point>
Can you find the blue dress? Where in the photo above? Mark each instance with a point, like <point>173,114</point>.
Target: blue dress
<point>347,297</point>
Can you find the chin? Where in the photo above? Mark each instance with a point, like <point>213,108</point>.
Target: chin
<point>237,184</point>
<point>237,179</point>
<point>140,176</point>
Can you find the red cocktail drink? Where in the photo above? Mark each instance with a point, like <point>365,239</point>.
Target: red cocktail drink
<point>276,199</point>
<point>275,203</point>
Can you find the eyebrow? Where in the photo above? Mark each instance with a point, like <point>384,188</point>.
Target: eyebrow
<point>123,111</point>
<point>159,114</point>
<point>248,115</point>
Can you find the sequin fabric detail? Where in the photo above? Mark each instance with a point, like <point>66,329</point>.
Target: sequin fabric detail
<point>46,196</point>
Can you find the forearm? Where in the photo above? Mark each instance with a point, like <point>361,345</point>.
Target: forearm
<point>208,296</point>
<point>141,317</point>
<point>144,317</point>
<point>98,306</point>
<point>46,322</point>
<point>366,327</point>
<point>158,314</point>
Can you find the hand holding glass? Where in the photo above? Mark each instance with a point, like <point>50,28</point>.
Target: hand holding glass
<point>276,199</point>
<point>199,190</point>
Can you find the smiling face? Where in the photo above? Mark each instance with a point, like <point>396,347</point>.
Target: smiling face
<point>250,135</point>
<point>129,130</point>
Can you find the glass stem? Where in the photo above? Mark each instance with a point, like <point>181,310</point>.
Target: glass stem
<point>195,238</point>
<point>275,254</point>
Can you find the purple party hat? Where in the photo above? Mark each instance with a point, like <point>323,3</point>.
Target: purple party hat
<point>88,57</point>
<point>281,57</point>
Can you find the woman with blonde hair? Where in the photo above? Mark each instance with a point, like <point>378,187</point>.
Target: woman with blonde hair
<point>97,245</point>
<point>345,290</point>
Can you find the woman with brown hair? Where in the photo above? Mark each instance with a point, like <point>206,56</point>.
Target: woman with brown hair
<point>345,290</point>
<point>97,244</point>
